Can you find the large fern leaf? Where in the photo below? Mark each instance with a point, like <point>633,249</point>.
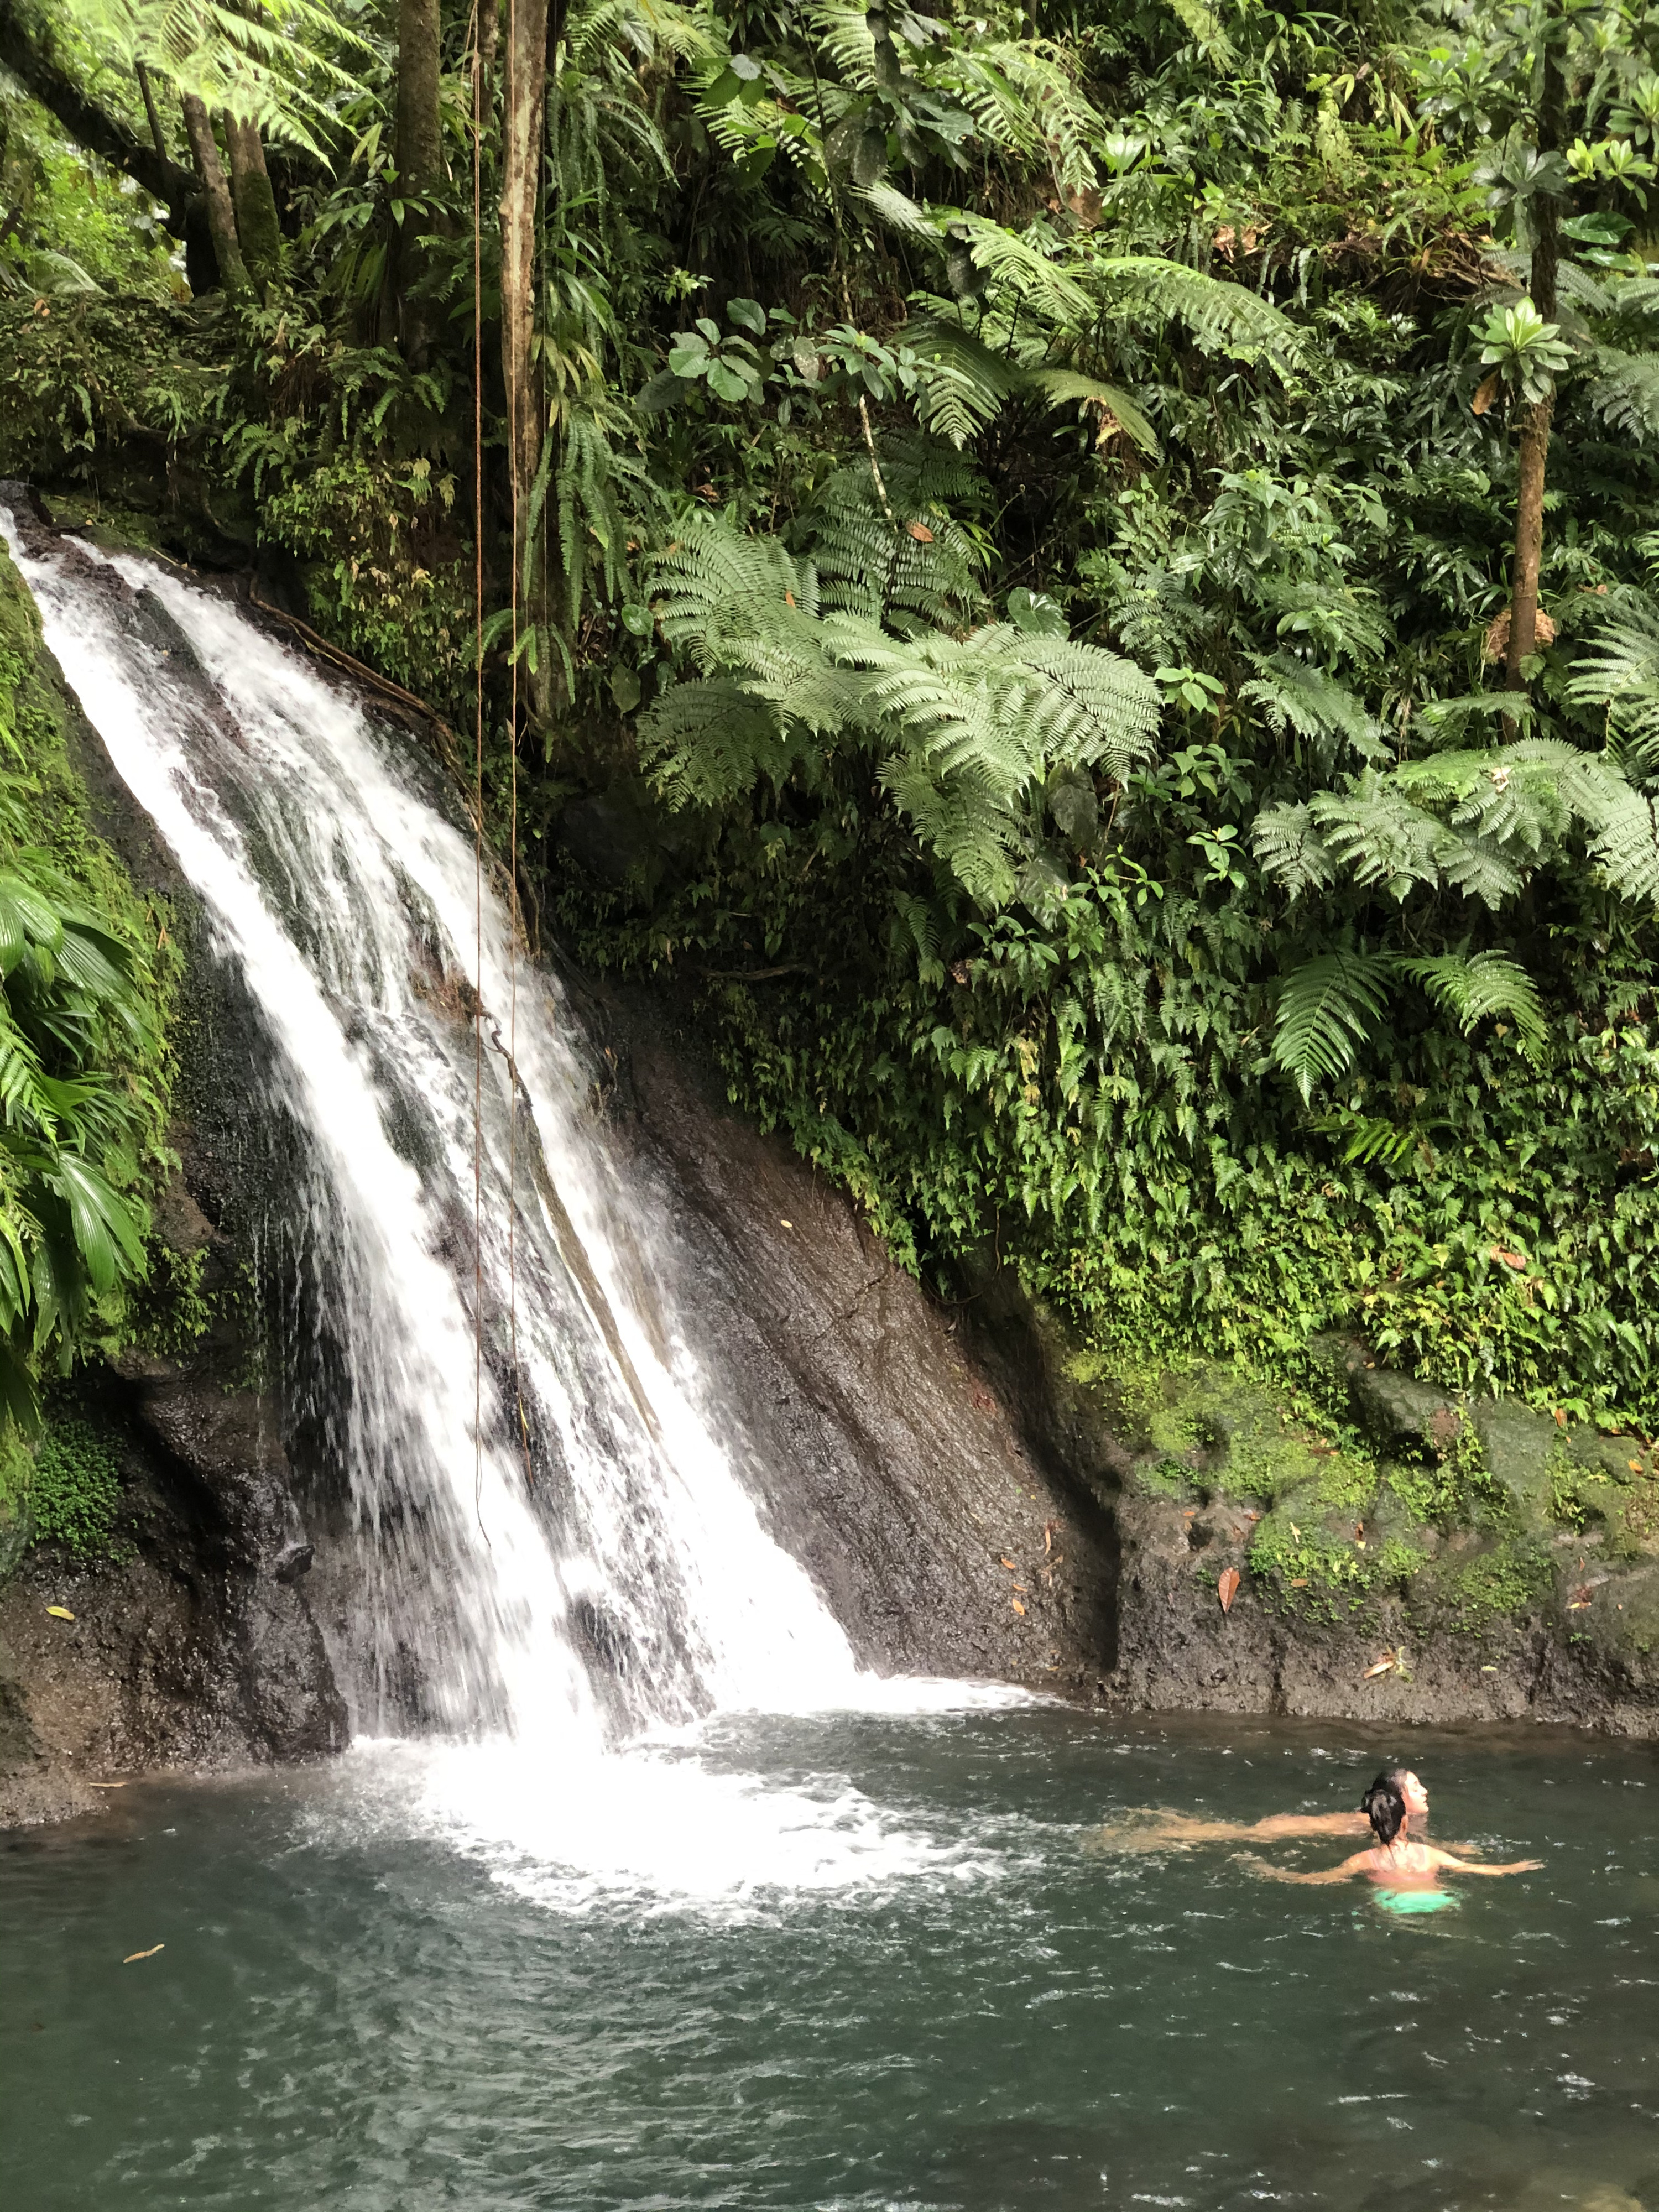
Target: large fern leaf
<point>1487,984</point>
<point>1325,1008</point>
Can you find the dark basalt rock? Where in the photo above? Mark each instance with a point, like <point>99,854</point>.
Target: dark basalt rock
<point>946,1536</point>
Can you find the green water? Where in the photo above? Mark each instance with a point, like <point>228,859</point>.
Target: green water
<point>971,2009</point>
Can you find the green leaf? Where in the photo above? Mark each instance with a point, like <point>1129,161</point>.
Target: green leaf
<point>1036,614</point>
<point>1325,1008</point>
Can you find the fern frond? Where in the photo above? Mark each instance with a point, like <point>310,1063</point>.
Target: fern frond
<point>1057,385</point>
<point>1082,706</point>
<point>960,383</point>
<point>702,743</point>
<point>1023,96</point>
<point>1489,983</point>
<point>1368,1141</point>
<point>1625,845</point>
<point>924,565</point>
<point>1376,834</point>
<point>1041,285</point>
<point>1286,840</point>
<point>1294,695</point>
<point>1222,317</point>
<point>1625,391</point>
<point>1325,1008</point>
<point>1623,676</point>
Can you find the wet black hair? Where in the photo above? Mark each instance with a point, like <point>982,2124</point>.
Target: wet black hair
<point>1384,1805</point>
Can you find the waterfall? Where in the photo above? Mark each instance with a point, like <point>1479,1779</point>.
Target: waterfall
<point>548,1541</point>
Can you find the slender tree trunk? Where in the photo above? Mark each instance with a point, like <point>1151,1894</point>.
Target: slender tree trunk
<point>221,216</point>
<point>420,162</point>
<point>1535,419</point>
<point>523,107</point>
<point>147,90</point>
<point>258,226</point>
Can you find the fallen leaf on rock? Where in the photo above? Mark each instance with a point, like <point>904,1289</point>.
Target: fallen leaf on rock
<point>109,1785</point>
<point>786,1225</point>
<point>1298,1582</point>
<point>60,1612</point>
<point>1382,1666</point>
<point>1009,1564</point>
<point>1017,1607</point>
<point>1049,1528</point>
<point>1226,1587</point>
<point>134,1955</point>
<point>1634,1464</point>
<point>1025,1588</point>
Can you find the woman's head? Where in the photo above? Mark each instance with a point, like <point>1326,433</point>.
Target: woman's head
<point>1416,1796</point>
<point>1384,1806</point>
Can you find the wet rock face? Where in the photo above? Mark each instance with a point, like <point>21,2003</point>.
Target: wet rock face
<point>185,1648</point>
<point>193,1644</point>
<point>943,1533</point>
<point>1455,1562</point>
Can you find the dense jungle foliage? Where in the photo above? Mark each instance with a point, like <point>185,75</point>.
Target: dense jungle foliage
<point>1080,581</point>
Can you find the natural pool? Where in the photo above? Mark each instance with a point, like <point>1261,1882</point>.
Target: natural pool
<point>384,1987</point>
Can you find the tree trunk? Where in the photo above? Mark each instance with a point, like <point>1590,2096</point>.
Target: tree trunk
<point>221,216</point>
<point>1535,419</point>
<point>523,106</point>
<point>147,90</point>
<point>420,163</point>
<point>258,226</point>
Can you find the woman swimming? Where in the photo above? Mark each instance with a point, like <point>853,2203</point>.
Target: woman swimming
<point>1394,1860</point>
<point>1166,1830</point>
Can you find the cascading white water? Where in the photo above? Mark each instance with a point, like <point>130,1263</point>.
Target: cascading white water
<point>547,1554</point>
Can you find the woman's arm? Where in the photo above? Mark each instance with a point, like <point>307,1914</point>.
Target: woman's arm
<point>1271,1873</point>
<point>1463,1866</point>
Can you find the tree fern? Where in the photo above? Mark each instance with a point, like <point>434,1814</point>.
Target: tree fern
<point>965,731</point>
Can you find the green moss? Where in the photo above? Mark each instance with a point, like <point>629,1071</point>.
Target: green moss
<point>1494,1585</point>
<point>1577,1494</point>
<point>173,1312</point>
<point>67,1491</point>
<point>1459,1490</point>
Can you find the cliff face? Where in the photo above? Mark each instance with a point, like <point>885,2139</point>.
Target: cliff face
<point>1444,1561</point>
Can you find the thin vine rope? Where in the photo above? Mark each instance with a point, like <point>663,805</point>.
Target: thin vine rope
<point>477,748</point>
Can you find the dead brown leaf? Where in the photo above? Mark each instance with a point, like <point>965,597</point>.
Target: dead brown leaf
<point>1227,1588</point>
